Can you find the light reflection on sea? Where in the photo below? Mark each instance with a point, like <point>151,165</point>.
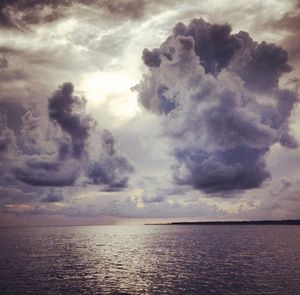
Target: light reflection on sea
<point>181,259</point>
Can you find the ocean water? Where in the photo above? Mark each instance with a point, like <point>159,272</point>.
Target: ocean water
<point>170,259</point>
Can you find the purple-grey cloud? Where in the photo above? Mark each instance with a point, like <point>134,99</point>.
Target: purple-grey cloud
<point>211,86</point>
<point>68,111</point>
<point>111,169</point>
<point>47,172</point>
<point>53,196</point>
<point>20,15</point>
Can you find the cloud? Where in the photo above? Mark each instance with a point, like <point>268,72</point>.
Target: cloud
<point>221,104</point>
<point>37,135</point>
<point>229,170</point>
<point>44,171</point>
<point>288,140</point>
<point>108,167</point>
<point>260,65</point>
<point>21,15</point>
<point>12,75</point>
<point>8,140</point>
<point>62,109</point>
<point>285,184</point>
<point>213,43</point>
<point>111,169</point>
<point>3,63</point>
<point>125,8</point>
<point>289,22</point>
<point>152,58</point>
<point>34,154</point>
<point>53,196</point>
<point>12,111</point>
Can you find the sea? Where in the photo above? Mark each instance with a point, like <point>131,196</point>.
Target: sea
<point>150,259</point>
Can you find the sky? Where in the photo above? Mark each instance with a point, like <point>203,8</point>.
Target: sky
<point>137,111</point>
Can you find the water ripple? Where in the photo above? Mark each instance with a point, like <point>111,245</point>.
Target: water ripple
<point>187,259</point>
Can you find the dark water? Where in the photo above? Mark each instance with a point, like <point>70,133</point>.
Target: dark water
<point>186,259</point>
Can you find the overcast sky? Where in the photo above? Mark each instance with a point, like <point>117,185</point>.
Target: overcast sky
<point>141,111</point>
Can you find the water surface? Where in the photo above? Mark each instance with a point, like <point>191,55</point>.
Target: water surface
<point>170,259</point>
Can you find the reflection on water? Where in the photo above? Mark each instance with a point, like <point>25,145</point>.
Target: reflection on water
<point>184,259</point>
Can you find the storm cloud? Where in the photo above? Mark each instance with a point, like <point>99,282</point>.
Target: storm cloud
<point>222,105</point>
<point>108,167</point>
<point>68,111</point>
<point>213,43</point>
<point>36,154</point>
<point>260,65</point>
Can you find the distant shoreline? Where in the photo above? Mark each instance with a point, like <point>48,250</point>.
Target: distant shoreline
<point>254,222</point>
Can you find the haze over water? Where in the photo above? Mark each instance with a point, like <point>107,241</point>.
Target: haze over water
<point>175,259</point>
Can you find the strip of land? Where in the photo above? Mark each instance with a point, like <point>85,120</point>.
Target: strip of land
<point>256,222</point>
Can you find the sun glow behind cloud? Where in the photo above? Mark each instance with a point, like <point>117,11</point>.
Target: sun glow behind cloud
<point>112,89</point>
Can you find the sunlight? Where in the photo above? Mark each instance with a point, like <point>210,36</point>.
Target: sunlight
<point>113,90</point>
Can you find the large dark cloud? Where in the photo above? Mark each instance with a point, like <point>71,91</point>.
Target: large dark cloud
<point>260,65</point>
<point>222,105</point>
<point>232,169</point>
<point>36,154</point>
<point>110,168</point>
<point>213,43</point>
<point>62,109</point>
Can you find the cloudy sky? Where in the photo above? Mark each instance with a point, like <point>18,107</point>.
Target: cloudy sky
<point>136,111</point>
